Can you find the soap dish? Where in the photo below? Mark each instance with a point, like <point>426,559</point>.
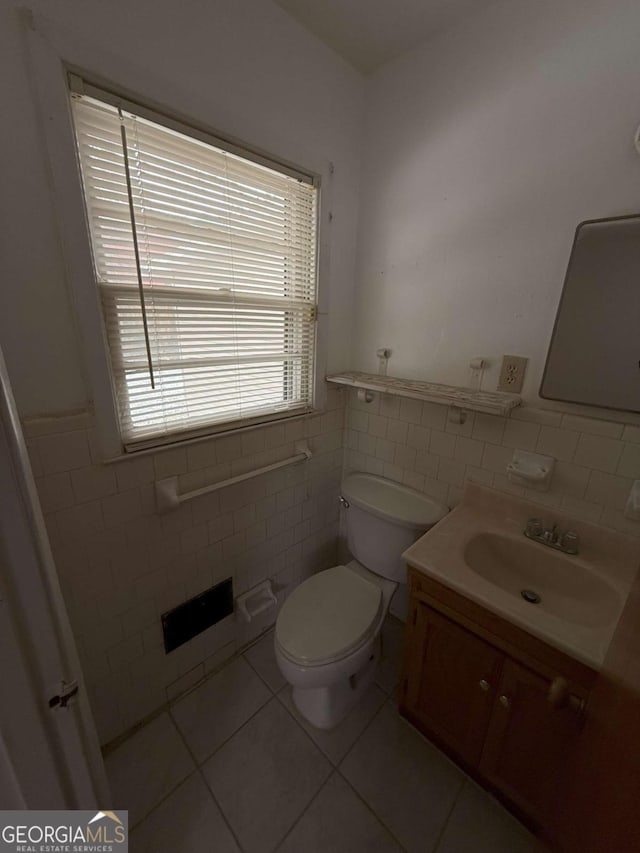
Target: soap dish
<point>531,470</point>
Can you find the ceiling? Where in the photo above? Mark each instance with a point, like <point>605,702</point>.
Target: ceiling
<point>367,33</point>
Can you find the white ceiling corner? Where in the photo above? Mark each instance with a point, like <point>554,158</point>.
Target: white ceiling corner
<point>368,33</point>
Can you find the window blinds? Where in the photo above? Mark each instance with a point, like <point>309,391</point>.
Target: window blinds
<point>224,275</point>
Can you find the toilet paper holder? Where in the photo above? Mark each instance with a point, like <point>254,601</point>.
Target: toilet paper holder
<point>262,597</point>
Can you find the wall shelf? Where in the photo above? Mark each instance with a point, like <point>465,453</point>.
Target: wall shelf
<point>489,402</point>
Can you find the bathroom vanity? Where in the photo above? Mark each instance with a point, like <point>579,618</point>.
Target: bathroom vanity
<point>501,682</point>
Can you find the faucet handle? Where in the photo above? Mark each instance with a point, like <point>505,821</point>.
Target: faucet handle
<point>570,542</point>
<point>534,527</point>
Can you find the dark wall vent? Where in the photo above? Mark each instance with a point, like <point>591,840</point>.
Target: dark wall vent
<point>196,615</point>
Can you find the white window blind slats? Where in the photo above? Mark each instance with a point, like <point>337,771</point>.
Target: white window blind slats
<point>227,251</point>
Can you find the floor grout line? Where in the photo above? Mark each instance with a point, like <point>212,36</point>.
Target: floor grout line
<point>354,789</point>
<point>371,809</point>
<point>200,772</point>
<point>175,787</point>
<point>448,817</point>
<point>334,766</point>
<point>305,810</point>
<point>232,735</point>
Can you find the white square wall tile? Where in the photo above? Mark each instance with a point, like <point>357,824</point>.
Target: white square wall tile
<point>367,443</point>
<point>442,444</point>
<point>358,421</point>
<point>427,464</point>
<point>219,706</point>
<point>608,489</point>
<point>452,471</point>
<point>79,522</point>
<point>418,437</point>
<point>414,480</point>
<point>170,463</point>
<point>479,475</point>
<point>392,472</point>
<point>389,406</point>
<point>121,507</point>
<point>595,451</point>
<point>582,508</point>
<point>434,416</point>
<point>404,457</point>
<point>559,443</point>
<point>468,450</point>
<point>570,479</point>
<point>411,411</point>
<point>89,484</point>
<point>385,450</point>
<point>488,428</point>
<point>437,489</point>
<point>188,820</point>
<point>521,435</point>
<point>265,776</point>
<point>592,426</point>
<point>397,431</point>
<point>378,426</point>
<point>544,417</point>
<point>496,458</point>
<point>146,767</point>
<point>64,452</point>
<point>134,472</point>
<point>55,491</point>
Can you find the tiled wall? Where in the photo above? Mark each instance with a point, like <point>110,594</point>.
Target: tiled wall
<point>415,443</point>
<point>121,564</point>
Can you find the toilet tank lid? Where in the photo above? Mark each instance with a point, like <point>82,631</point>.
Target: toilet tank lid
<point>392,501</point>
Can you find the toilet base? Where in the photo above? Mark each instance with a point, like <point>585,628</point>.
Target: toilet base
<point>326,707</point>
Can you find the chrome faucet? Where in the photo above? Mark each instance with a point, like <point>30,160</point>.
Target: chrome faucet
<point>566,541</point>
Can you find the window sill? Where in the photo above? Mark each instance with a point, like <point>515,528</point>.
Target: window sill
<point>148,450</point>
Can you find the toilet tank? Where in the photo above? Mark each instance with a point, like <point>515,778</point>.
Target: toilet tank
<point>383,518</point>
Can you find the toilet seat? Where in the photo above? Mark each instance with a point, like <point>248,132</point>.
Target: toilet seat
<point>328,616</point>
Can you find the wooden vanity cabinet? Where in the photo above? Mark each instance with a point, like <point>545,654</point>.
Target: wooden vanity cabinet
<point>451,669</point>
<point>528,742</point>
<point>482,690</point>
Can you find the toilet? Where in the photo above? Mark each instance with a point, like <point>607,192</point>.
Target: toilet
<point>327,633</point>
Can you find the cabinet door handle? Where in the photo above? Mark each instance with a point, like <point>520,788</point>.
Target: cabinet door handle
<point>484,684</point>
<point>559,696</point>
<point>505,702</point>
<point>558,692</point>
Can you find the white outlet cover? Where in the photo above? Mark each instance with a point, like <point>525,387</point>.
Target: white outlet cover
<point>512,373</point>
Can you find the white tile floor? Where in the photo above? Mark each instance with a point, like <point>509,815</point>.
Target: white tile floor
<point>232,767</point>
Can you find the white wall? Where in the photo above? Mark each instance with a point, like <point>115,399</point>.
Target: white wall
<point>241,66</point>
<point>246,69</point>
<point>484,150</point>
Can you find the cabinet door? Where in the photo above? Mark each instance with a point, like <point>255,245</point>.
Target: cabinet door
<point>528,742</point>
<point>452,678</point>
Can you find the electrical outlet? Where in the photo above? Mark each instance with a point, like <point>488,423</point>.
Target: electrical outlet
<point>512,373</point>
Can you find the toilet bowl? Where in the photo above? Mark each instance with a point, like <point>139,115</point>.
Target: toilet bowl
<point>327,637</point>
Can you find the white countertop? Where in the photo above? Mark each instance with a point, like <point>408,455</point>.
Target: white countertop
<point>605,556</point>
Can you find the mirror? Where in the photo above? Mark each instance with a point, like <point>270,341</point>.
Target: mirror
<point>594,354</point>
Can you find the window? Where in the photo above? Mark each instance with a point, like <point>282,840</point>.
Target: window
<point>205,257</point>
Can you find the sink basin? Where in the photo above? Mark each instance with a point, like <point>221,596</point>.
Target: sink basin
<point>566,587</point>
